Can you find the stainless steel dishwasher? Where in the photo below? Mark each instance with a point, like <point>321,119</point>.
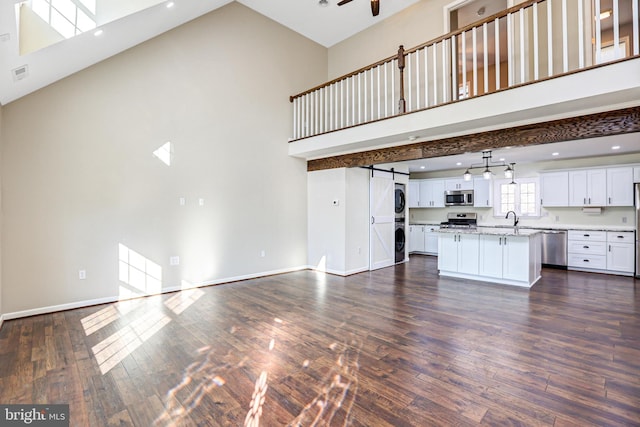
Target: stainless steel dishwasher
<point>554,248</point>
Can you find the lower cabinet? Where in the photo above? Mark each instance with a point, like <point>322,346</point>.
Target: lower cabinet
<point>602,251</point>
<point>461,253</point>
<point>423,239</point>
<point>504,257</point>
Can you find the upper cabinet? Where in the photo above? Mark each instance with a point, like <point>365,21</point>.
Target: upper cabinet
<point>426,193</point>
<point>620,186</point>
<point>413,194</point>
<point>554,189</point>
<point>457,184</point>
<point>482,192</point>
<point>588,187</point>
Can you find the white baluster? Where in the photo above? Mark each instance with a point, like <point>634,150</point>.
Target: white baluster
<point>485,48</point>
<point>536,60</point>
<point>454,67</point>
<point>565,50</point>
<point>417,79</point>
<point>444,71</point>
<point>426,77</point>
<point>523,54</point>
<point>463,60</point>
<point>636,30</point>
<point>379,98</point>
<point>596,14</point>
<point>475,61</point>
<point>408,89</point>
<point>496,41</point>
<point>616,31</point>
<point>550,38</point>
<point>580,35</point>
<point>435,74</point>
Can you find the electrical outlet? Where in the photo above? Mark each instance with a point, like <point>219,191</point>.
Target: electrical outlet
<point>82,274</point>
<point>624,219</point>
<point>359,249</point>
<point>557,218</point>
<point>183,201</point>
<point>201,202</point>
<point>262,254</point>
<point>174,260</point>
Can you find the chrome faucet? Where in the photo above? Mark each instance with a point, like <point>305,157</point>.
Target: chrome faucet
<point>515,217</point>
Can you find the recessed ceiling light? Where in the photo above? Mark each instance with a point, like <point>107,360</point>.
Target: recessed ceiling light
<point>615,147</point>
<point>98,33</point>
<point>555,154</point>
<point>412,138</point>
<point>502,159</point>
<point>422,167</point>
<point>170,5</point>
<point>459,164</point>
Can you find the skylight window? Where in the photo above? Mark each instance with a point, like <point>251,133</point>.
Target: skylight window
<point>67,17</point>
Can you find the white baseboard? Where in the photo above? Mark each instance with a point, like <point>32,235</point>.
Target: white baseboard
<point>339,272</point>
<point>106,300</point>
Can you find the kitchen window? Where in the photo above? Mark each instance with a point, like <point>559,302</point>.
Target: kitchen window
<point>523,197</point>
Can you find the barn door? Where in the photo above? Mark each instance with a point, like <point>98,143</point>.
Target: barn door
<point>381,200</point>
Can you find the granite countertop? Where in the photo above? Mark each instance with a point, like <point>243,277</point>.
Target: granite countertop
<point>495,231</point>
<point>544,227</point>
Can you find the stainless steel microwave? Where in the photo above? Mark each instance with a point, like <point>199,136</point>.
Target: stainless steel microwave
<point>458,198</point>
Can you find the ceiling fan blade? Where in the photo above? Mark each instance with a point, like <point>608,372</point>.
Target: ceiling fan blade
<point>375,7</point>
<point>340,3</point>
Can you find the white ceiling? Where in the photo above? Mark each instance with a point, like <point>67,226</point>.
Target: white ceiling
<point>626,143</point>
<point>325,25</point>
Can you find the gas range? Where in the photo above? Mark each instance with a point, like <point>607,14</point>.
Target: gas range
<point>460,221</point>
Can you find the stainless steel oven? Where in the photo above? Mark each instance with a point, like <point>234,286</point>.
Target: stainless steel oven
<point>458,198</point>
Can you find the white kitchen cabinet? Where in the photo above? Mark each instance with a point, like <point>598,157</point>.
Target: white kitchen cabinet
<point>620,251</point>
<point>416,238</point>
<point>431,239</point>
<point>554,189</point>
<point>620,186</point>
<point>457,184</point>
<point>431,193</point>
<point>588,187</point>
<point>504,257</point>
<point>413,193</point>
<point>458,252</point>
<point>482,193</point>
<point>602,251</point>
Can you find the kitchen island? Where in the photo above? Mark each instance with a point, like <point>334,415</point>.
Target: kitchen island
<point>509,256</point>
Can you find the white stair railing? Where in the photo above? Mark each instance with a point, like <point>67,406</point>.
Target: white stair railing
<point>529,42</point>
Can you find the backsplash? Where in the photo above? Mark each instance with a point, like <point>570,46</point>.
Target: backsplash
<point>610,216</point>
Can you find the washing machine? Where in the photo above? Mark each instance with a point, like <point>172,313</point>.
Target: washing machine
<point>400,210</point>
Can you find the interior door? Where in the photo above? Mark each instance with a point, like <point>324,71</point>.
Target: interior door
<point>382,210</point>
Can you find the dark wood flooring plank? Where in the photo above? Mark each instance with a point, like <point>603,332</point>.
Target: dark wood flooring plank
<point>394,347</point>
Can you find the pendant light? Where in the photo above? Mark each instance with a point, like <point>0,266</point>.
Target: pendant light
<point>487,164</point>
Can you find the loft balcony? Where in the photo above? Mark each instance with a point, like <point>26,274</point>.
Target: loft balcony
<point>540,64</point>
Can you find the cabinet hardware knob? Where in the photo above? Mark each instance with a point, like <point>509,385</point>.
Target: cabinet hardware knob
<point>609,248</point>
<point>585,260</point>
<point>620,237</point>
<point>586,235</point>
<point>586,247</point>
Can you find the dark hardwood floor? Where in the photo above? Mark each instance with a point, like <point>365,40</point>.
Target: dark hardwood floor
<point>394,347</point>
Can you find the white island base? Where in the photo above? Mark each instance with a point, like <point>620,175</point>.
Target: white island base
<point>505,256</point>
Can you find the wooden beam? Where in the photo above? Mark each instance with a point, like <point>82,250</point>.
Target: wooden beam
<point>607,123</point>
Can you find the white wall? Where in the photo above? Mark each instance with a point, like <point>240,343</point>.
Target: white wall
<point>1,221</point>
<point>417,24</point>
<point>327,220</point>
<point>357,222</point>
<point>338,212</point>
<point>79,177</point>
<point>611,216</point>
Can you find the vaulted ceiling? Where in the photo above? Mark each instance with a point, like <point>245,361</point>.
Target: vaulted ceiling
<point>324,25</point>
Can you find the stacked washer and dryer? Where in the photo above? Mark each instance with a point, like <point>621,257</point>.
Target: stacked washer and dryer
<point>400,209</point>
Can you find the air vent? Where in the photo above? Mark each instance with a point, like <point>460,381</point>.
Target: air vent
<point>20,73</point>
